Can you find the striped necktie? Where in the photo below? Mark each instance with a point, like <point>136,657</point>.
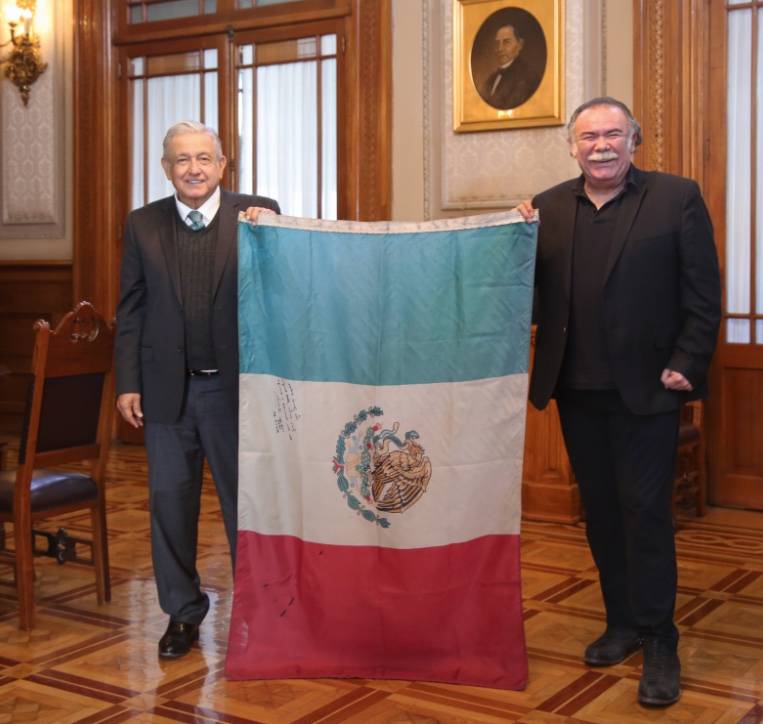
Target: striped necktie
<point>196,218</point>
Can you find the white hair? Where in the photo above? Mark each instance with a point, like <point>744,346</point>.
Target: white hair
<point>190,127</point>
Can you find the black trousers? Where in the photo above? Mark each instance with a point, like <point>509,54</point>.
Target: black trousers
<point>207,428</point>
<point>624,465</point>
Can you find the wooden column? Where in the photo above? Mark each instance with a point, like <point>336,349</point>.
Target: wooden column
<point>368,173</point>
<point>96,234</point>
<point>670,81</point>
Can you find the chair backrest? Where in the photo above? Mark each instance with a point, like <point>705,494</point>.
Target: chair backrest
<point>69,407</point>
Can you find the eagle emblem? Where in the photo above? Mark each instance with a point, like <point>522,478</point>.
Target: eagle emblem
<point>379,471</point>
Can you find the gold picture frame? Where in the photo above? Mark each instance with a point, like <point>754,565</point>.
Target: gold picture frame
<point>508,69</point>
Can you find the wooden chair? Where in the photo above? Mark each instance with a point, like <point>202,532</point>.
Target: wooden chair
<point>67,421</point>
<point>690,486</point>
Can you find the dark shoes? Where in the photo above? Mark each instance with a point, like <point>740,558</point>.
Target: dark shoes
<point>612,647</point>
<point>178,639</point>
<point>660,683</point>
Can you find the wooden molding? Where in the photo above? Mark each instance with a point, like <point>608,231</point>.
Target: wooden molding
<point>95,226</point>
<point>649,80</point>
<point>670,76</point>
<point>372,167</point>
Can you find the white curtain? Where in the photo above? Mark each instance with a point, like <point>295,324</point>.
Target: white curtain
<point>138,195</point>
<point>287,144</point>
<point>328,142</point>
<point>246,125</point>
<point>169,99</point>
<point>738,174</point>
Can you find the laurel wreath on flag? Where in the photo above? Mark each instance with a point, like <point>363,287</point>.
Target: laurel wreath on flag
<point>344,485</point>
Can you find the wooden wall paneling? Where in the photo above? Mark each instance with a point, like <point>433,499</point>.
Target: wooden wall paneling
<point>549,489</point>
<point>670,76</point>
<point>29,290</point>
<point>649,81</point>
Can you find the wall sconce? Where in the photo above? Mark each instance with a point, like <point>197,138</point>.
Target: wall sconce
<point>23,64</point>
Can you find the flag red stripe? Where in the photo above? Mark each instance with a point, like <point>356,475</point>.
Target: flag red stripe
<point>451,613</point>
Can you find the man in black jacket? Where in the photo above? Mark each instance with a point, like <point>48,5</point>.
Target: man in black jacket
<point>177,361</point>
<point>628,314</point>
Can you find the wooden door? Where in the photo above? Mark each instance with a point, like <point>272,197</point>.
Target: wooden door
<point>697,72</point>
<point>735,195</point>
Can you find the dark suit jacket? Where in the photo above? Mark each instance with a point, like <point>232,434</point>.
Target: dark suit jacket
<point>150,339</point>
<point>519,82</point>
<point>661,296</point>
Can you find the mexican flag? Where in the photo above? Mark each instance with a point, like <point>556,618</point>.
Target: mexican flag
<point>383,387</point>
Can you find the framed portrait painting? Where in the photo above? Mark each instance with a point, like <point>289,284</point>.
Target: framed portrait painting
<point>507,64</point>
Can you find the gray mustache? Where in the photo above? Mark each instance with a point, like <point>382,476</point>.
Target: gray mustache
<point>602,156</point>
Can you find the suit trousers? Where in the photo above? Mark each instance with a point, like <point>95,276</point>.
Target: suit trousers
<point>207,428</point>
<point>624,464</point>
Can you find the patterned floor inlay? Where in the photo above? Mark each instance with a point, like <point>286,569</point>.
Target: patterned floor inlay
<point>89,663</point>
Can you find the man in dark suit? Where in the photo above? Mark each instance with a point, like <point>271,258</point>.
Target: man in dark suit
<point>628,314</point>
<point>177,361</point>
<point>514,81</point>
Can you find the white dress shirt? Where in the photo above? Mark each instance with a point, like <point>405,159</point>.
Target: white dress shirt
<point>208,209</point>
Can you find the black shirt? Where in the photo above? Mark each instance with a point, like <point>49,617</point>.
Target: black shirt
<point>586,361</point>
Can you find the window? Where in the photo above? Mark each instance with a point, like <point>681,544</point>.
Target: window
<point>162,90</point>
<point>287,123</point>
<point>744,175</point>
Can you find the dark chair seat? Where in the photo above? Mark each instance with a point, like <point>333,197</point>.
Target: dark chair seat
<point>49,489</point>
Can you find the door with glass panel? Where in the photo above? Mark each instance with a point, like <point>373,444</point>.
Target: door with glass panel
<point>735,186</point>
<point>286,119</point>
<point>166,84</point>
<point>274,107</point>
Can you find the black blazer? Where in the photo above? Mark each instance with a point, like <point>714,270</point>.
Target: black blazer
<point>661,298</point>
<point>150,338</point>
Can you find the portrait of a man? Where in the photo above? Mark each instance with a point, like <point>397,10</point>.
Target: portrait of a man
<point>508,58</point>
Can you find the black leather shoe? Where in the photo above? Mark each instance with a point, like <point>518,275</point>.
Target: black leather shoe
<point>612,647</point>
<point>660,683</point>
<point>178,639</point>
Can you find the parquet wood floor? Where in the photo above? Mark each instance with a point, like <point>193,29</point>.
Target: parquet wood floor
<point>90,663</point>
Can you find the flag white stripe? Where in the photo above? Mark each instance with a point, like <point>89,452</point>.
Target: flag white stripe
<point>472,432</point>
